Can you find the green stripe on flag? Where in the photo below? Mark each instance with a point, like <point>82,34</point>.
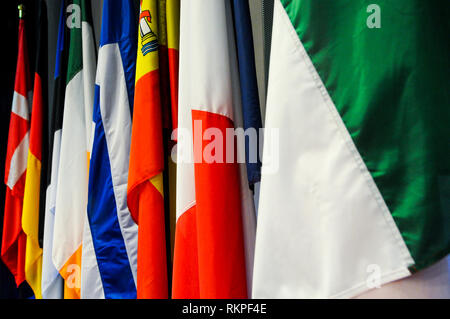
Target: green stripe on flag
<point>391,87</point>
<point>75,63</point>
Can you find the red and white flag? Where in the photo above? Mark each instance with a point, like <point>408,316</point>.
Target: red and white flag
<point>14,239</point>
<point>215,213</point>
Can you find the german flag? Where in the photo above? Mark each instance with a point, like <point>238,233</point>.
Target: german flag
<point>36,179</point>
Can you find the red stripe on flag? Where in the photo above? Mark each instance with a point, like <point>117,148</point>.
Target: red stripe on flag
<point>173,77</point>
<point>145,202</point>
<point>164,85</point>
<point>36,121</point>
<point>146,152</point>
<point>152,264</point>
<point>217,227</point>
<point>185,284</point>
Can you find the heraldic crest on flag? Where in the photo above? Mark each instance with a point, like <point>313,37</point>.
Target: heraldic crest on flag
<point>149,39</point>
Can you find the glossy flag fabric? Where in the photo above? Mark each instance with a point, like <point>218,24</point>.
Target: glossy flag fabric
<point>249,88</point>
<point>360,198</point>
<point>52,282</point>
<point>91,283</point>
<point>215,213</point>
<point>36,177</point>
<point>72,185</point>
<point>114,233</point>
<point>173,42</point>
<point>145,180</point>
<point>14,239</point>
<point>172,20</point>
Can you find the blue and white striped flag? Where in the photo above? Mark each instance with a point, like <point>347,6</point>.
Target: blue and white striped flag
<point>114,234</point>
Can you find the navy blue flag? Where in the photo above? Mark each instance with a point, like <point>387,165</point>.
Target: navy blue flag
<point>249,88</point>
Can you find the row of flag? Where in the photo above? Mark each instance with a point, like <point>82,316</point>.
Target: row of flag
<point>354,193</point>
<point>90,209</point>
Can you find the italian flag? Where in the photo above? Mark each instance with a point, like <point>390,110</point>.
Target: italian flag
<point>360,194</point>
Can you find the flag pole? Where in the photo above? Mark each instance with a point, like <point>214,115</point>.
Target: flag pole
<point>21,8</point>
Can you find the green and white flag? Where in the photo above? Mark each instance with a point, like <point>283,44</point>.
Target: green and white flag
<point>359,91</point>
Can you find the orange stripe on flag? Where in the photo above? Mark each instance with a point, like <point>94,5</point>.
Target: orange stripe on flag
<point>71,272</point>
